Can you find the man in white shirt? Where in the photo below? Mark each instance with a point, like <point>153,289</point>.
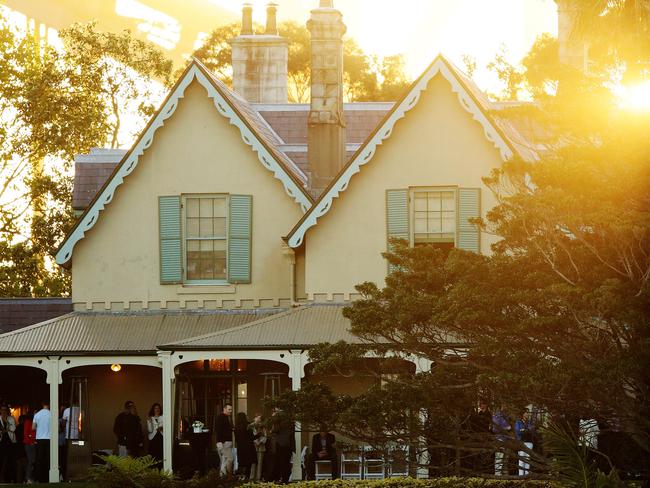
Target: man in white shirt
<point>41,424</point>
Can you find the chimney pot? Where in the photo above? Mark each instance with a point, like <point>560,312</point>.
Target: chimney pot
<point>326,3</point>
<point>271,19</point>
<point>247,20</point>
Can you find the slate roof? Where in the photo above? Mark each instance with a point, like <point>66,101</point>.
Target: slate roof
<point>16,313</point>
<point>119,333</point>
<point>283,126</point>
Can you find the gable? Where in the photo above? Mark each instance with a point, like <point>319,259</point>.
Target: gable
<point>466,99</point>
<point>252,132</point>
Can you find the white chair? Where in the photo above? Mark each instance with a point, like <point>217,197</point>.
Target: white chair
<point>398,461</point>
<point>351,465</point>
<point>323,470</point>
<point>373,464</point>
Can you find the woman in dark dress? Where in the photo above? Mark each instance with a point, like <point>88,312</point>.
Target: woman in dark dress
<point>246,455</point>
<point>155,432</point>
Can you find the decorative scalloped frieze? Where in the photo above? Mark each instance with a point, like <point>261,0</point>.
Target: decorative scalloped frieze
<point>365,156</point>
<point>91,217</point>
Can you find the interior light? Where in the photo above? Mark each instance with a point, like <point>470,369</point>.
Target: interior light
<point>116,368</point>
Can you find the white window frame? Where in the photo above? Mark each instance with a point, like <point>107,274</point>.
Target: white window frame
<point>425,189</point>
<point>184,235</point>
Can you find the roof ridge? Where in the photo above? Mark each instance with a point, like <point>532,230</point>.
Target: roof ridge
<point>239,327</point>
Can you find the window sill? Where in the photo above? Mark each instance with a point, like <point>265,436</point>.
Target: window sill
<point>207,289</point>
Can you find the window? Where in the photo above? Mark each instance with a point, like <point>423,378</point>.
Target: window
<point>206,238</point>
<point>434,216</point>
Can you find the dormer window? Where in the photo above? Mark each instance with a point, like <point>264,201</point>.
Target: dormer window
<point>434,216</point>
<point>439,216</point>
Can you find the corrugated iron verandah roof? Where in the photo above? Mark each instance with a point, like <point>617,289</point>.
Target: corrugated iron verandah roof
<point>119,333</point>
<point>300,327</point>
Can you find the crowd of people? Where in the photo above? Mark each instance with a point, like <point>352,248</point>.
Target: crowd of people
<point>264,449</point>
<point>25,444</point>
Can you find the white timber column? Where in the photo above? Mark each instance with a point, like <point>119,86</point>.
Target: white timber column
<point>422,365</point>
<point>168,408</point>
<point>297,361</point>
<point>54,379</point>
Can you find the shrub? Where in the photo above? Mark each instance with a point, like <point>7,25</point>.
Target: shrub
<point>418,483</point>
<point>127,472</point>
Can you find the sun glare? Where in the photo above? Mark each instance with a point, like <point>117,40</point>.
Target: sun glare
<point>636,97</point>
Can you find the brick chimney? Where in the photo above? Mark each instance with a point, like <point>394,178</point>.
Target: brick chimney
<point>572,46</point>
<point>326,123</point>
<point>259,62</point>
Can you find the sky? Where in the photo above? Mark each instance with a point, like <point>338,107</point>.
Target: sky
<point>418,29</point>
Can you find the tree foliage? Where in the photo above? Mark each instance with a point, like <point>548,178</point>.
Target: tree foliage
<point>55,104</point>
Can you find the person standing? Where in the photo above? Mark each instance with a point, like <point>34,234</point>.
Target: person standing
<point>285,446</point>
<point>224,441</point>
<point>246,455</point>
<point>7,441</point>
<point>501,428</point>
<point>29,442</point>
<point>155,432</point>
<point>259,440</point>
<point>480,425</point>
<point>41,424</point>
<point>524,432</point>
<point>128,430</point>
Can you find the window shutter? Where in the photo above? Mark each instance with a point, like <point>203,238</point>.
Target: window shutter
<point>239,238</point>
<point>397,216</point>
<point>169,210</point>
<point>469,207</point>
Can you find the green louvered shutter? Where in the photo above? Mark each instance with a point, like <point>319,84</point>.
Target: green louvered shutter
<point>169,209</point>
<point>469,207</point>
<point>239,238</point>
<point>397,216</point>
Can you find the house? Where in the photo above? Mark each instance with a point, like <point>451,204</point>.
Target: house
<point>209,257</point>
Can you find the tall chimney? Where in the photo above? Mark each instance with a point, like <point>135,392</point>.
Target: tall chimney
<point>247,20</point>
<point>571,44</point>
<point>260,62</point>
<point>326,123</point>
<point>271,19</point>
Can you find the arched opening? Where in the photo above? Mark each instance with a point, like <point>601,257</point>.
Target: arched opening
<point>108,390</point>
<point>202,388</point>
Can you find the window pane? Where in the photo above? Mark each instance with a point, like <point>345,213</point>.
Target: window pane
<point>193,269</point>
<point>193,227</point>
<point>205,227</point>
<point>206,207</point>
<point>192,207</point>
<point>434,202</point>
<point>219,207</point>
<point>207,269</point>
<point>220,227</point>
<point>434,222</point>
<point>448,202</point>
<point>206,249</point>
<point>420,202</point>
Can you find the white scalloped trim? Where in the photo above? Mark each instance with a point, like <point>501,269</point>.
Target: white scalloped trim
<point>325,203</point>
<point>223,107</point>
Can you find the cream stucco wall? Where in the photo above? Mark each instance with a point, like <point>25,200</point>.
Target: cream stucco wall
<point>436,144</point>
<point>197,151</point>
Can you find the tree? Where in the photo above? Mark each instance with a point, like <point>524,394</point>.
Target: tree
<point>55,104</point>
<point>366,78</point>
